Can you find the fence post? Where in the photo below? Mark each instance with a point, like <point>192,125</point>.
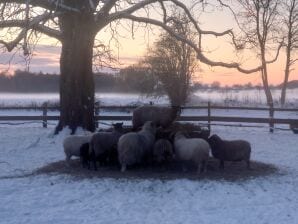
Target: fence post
<point>44,114</point>
<point>96,112</point>
<point>271,117</point>
<point>209,115</point>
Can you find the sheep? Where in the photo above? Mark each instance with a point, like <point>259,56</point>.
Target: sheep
<point>162,151</point>
<point>103,145</point>
<point>72,144</point>
<point>135,147</point>
<point>236,150</point>
<point>161,116</point>
<point>192,149</point>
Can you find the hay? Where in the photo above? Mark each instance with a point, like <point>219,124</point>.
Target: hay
<point>234,171</point>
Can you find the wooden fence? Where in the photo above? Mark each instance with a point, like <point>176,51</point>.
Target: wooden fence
<point>208,118</point>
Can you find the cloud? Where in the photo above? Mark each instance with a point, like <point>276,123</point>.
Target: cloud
<point>45,59</point>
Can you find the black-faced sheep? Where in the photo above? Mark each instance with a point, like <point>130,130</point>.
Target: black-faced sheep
<point>134,147</point>
<point>192,149</point>
<point>161,116</point>
<point>224,150</point>
<point>73,143</point>
<point>103,145</point>
<point>162,151</point>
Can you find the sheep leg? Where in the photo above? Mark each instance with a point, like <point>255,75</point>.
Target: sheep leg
<point>123,168</point>
<point>93,158</point>
<point>86,163</point>
<point>222,164</point>
<point>184,168</point>
<point>199,168</point>
<point>203,166</point>
<point>67,159</point>
<point>248,165</point>
<point>82,162</point>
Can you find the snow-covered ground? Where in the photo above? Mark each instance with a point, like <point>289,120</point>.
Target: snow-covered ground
<point>58,198</point>
<point>61,198</point>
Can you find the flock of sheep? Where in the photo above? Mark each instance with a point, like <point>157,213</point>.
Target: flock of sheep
<point>151,141</point>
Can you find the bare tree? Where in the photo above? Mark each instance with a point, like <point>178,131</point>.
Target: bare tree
<point>258,20</point>
<point>75,24</point>
<point>174,62</point>
<point>290,22</point>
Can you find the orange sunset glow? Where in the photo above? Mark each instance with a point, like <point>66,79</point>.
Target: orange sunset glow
<point>131,48</point>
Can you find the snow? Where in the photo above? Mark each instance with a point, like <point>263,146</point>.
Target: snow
<point>253,97</point>
<point>27,197</point>
<point>58,198</point>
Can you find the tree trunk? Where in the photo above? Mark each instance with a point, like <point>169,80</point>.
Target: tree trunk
<point>287,74</point>
<point>266,87</point>
<point>76,80</point>
<point>264,73</point>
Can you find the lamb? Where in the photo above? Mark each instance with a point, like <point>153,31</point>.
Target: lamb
<point>162,151</point>
<point>161,116</point>
<point>224,150</point>
<point>72,144</point>
<point>103,145</point>
<point>135,147</point>
<point>194,149</point>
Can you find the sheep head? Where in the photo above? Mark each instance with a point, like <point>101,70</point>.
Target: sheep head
<point>118,126</point>
<point>149,126</point>
<point>214,141</point>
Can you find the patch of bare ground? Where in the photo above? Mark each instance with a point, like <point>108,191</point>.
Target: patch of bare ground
<point>234,171</point>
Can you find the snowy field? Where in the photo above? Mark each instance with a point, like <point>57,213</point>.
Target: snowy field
<point>253,97</point>
<point>60,198</point>
<point>45,198</point>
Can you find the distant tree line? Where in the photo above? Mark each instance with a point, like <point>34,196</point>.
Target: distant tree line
<point>127,80</point>
<point>131,79</point>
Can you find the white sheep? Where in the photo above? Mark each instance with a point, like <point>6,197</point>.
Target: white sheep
<point>73,143</point>
<point>192,149</point>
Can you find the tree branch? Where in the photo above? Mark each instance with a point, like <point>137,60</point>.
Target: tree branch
<point>53,5</point>
<point>142,4</point>
<point>107,7</point>
<point>200,55</point>
<point>25,25</point>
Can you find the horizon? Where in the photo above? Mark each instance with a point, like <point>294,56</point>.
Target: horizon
<point>46,60</point>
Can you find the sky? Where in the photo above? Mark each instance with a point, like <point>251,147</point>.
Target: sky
<point>132,48</point>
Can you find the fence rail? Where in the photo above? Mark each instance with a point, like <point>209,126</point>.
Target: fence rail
<point>53,108</point>
<point>209,118</point>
